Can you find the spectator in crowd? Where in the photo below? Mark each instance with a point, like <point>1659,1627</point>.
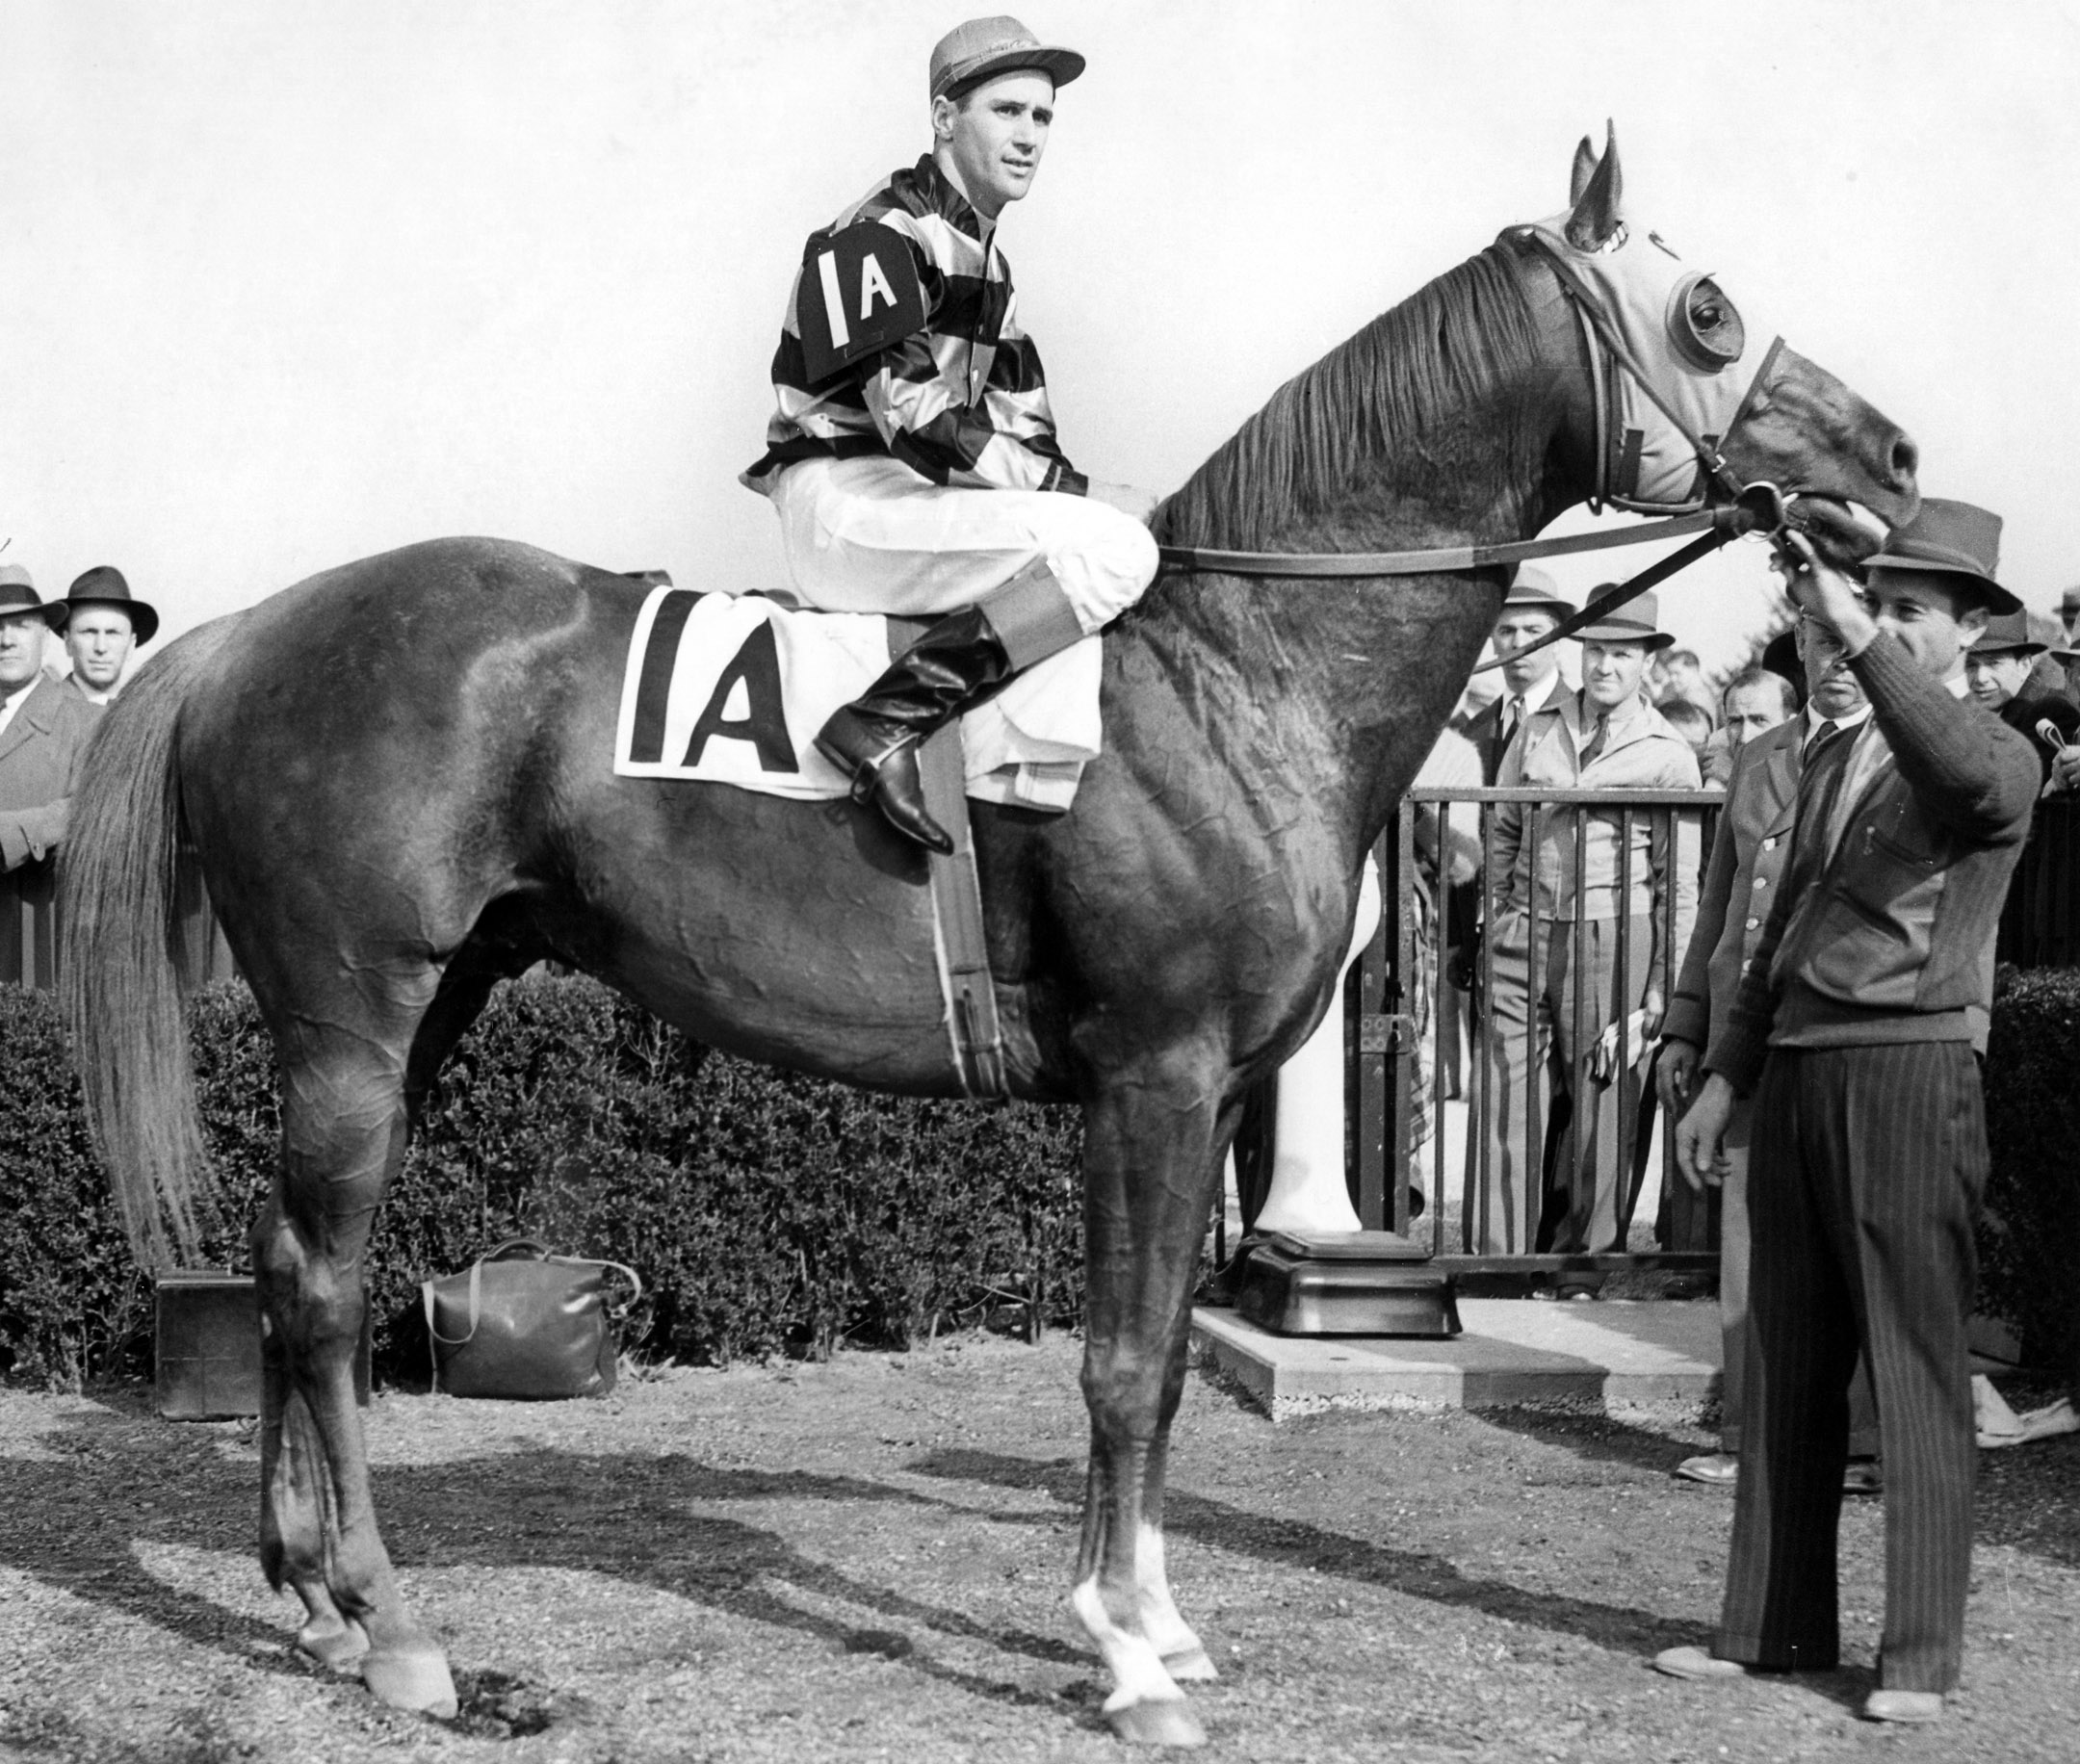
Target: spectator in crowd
<point>1605,737</point>
<point>1781,656</point>
<point>1693,722</point>
<point>1753,702</point>
<point>2069,614</point>
<point>1746,870</point>
<point>1859,1028</point>
<point>101,622</point>
<point>1532,678</point>
<point>43,730</point>
<point>1685,678</point>
<point>1533,609</point>
<point>1999,666</point>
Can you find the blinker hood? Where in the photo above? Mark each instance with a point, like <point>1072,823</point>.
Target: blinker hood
<point>1690,343</point>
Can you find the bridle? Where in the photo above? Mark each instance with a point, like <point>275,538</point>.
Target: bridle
<point>1732,508</point>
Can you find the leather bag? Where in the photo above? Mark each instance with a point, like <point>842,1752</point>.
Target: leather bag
<point>524,1323</point>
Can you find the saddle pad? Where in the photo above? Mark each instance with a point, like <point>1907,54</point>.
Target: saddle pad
<point>731,688</point>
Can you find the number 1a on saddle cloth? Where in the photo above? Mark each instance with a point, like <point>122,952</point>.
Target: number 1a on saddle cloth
<point>731,688</point>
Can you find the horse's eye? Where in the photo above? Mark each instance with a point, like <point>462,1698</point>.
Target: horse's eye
<point>1704,325</point>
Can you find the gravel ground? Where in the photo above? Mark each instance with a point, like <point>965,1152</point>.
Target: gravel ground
<point>867,1559</point>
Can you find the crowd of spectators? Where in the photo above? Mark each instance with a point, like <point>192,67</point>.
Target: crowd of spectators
<point>61,663</point>
<point>1520,1006</point>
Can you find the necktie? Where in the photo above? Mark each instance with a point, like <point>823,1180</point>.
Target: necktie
<point>1512,719</point>
<point>1594,743</point>
<point>1817,740</point>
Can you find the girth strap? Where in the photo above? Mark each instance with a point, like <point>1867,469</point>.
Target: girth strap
<point>958,940</point>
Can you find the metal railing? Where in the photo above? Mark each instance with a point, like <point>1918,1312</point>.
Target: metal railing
<point>1392,996</point>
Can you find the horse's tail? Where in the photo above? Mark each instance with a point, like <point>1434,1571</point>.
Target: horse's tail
<point>119,984</point>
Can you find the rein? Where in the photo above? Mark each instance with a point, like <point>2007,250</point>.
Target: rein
<point>1756,507</point>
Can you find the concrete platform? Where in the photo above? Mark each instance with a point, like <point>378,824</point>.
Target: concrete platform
<point>1612,1354</point>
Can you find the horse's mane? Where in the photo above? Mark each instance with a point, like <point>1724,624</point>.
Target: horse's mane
<point>1437,352</point>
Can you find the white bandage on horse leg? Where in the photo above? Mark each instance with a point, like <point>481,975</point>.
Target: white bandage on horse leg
<point>1032,615</point>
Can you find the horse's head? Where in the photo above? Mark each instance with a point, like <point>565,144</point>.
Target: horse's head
<point>1775,416</point>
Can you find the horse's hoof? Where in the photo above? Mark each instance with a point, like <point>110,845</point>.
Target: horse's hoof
<point>337,1641</point>
<point>415,1679</point>
<point>1169,1722</point>
<point>1191,1667</point>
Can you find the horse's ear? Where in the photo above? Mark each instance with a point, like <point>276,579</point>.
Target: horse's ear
<point>1584,170</point>
<point>1596,209</point>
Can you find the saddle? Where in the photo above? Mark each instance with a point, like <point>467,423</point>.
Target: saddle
<point>732,689</point>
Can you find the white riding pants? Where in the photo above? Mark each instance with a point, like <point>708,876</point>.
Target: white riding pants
<point>871,536</point>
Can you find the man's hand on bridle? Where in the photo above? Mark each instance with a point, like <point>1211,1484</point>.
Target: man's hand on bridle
<point>1818,589</point>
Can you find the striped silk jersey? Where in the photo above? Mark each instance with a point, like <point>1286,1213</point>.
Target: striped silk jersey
<point>962,401</point>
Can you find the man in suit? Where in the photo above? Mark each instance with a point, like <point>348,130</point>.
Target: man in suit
<point>1859,1028</point>
<point>102,622</point>
<point>43,732</point>
<point>1751,703</point>
<point>2000,666</point>
<point>1533,609</point>
<point>1741,883</point>
<point>1605,737</point>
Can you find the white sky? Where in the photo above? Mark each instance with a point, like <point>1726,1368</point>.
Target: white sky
<point>288,283</point>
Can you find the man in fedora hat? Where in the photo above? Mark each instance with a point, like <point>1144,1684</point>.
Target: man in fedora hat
<point>1999,665</point>
<point>1605,736</point>
<point>1532,610</point>
<point>43,731</point>
<point>1858,1029</point>
<point>1742,879</point>
<point>912,458</point>
<point>101,622</point>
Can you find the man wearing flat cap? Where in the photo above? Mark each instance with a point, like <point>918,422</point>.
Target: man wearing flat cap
<point>43,731</point>
<point>1605,736</point>
<point>101,622</point>
<point>912,458</point>
<point>1857,1028</point>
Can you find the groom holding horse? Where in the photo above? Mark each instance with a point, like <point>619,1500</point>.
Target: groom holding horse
<point>912,458</point>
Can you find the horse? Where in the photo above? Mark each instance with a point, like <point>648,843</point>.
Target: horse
<point>396,780</point>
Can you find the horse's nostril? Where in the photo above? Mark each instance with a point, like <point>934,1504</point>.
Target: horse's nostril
<point>1906,461</point>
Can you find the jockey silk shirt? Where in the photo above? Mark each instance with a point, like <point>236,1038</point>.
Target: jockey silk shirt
<point>963,402</point>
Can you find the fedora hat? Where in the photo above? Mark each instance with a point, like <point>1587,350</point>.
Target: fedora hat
<point>1535,588</point>
<point>18,595</point>
<point>1959,541</point>
<point>2008,631</point>
<point>104,586</point>
<point>982,48</point>
<point>1634,622</point>
<point>2069,603</point>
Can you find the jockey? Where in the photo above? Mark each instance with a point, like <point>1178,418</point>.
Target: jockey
<point>912,459</point>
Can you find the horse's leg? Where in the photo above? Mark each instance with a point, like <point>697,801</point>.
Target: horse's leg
<point>1153,1148</point>
<point>343,1137</point>
<point>1184,1655</point>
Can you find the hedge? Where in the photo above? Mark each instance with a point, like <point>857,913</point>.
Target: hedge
<point>2029,1235</point>
<point>767,1212</point>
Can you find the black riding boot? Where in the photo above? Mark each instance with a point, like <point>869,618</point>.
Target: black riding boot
<point>958,664</point>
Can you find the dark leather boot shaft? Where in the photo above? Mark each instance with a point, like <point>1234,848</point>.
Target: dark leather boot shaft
<point>958,664</point>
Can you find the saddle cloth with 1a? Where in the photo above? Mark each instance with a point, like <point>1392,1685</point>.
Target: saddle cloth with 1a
<point>731,688</point>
